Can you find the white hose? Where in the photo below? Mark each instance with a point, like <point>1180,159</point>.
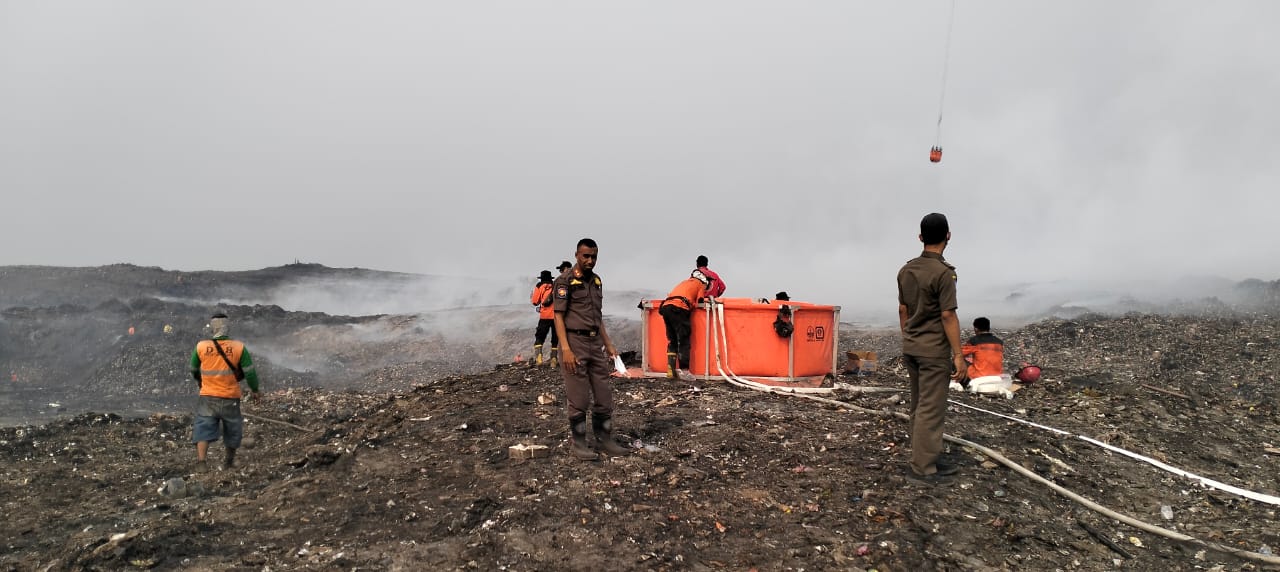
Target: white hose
<point>1009,417</point>
<point>1205,481</point>
<point>1089,504</point>
<point>715,316</point>
<point>719,331</point>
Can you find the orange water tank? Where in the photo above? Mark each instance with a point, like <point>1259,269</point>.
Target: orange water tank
<point>751,347</point>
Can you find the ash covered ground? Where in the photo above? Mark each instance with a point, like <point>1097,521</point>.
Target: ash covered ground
<point>383,444</point>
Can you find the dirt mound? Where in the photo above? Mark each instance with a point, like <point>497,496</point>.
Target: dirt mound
<point>383,445</point>
<point>721,478</point>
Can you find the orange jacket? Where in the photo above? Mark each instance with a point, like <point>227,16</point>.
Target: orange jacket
<point>541,298</point>
<point>216,377</point>
<point>686,294</point>
<point>985,354</point>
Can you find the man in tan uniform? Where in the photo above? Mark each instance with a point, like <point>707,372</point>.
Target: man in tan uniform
<point>586,353</point>
<point>930,343</point>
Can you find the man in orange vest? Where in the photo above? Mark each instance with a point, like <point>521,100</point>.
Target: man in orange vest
<point>218,364</point>
<point>677,315</point>
<point>541,300</point>
<point>984,352</point>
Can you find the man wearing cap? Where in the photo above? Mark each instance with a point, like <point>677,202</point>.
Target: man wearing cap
<point>586,358</point>
<point>930,343</point>
<point>218,364</point>
<point>541,300</point>
<point>677,313</point>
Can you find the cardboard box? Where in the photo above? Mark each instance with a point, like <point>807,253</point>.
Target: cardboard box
<point>523,451</point>
<point>861,362</point>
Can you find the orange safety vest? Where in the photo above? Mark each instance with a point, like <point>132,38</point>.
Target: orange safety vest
<point>988,359</point>
<point>541,297</point>
<point>217,379</point>
<point>686,294</point>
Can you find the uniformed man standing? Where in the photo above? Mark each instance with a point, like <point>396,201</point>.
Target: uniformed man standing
<point>930,343</point>
<point>586,353</point>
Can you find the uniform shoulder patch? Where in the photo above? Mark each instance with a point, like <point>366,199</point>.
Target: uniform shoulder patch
<point>562,292</point>
<point>597,280</point>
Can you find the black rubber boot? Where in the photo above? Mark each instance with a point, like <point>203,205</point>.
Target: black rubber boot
<point>580,449</point>
<point>603,425</point>
<point>673,363</point>
<point>230,461</point>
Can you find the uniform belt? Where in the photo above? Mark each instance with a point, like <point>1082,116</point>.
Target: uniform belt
<point>592,333</point>
<point>688,304</point>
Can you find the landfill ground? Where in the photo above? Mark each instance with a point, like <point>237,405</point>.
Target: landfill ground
<point>414,472</point>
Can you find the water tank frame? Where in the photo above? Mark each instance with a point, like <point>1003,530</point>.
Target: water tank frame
<point>703,353</point>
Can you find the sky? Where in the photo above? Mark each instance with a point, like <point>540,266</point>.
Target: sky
<point>1083,141</point>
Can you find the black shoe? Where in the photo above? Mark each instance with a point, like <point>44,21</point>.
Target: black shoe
<point>929,479</point>
<point>603,425</point>
<point>945,469</point>
<point>578,439</point>
<point>934,479</point>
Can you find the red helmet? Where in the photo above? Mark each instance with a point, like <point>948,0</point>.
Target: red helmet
<point>1028,374</point>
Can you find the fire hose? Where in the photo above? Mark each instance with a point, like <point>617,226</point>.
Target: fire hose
<point>715,316</point>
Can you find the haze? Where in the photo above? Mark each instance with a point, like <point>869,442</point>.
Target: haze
<point>1085,142</point>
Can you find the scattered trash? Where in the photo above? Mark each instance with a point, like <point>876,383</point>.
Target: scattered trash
<point>176,488</point>
<point>861,363</point>
<point>1166,511</point>
<point>455,483</point>
<point>173,488</point>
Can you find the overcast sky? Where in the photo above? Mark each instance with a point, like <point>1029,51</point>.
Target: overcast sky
<point>787,141</point>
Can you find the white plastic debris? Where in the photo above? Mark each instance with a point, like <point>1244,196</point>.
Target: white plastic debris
<point>619,366</point>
